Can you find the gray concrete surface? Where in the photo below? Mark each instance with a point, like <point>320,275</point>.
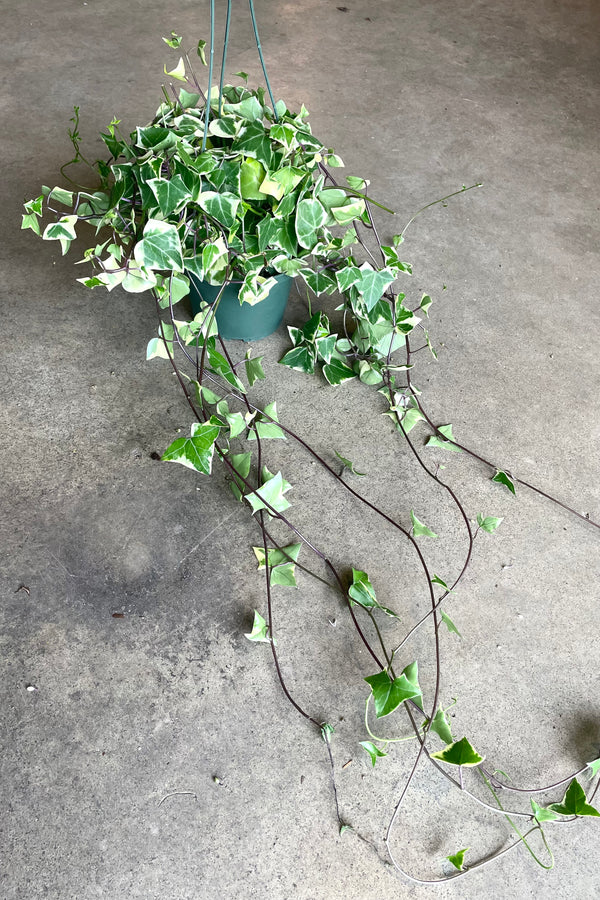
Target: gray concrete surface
<point>420,97</point>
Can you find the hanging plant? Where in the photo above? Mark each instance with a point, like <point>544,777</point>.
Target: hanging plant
<point>227,186</point>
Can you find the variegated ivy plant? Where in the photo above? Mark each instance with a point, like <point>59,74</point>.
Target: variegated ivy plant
<point>226,191</point>
<point>237,190</point>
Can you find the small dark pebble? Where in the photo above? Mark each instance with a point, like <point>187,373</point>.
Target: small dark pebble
<point>154,455</point>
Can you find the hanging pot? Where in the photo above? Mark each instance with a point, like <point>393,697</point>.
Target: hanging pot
<point>240,321</point>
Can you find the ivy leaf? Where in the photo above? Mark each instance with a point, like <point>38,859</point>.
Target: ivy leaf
<point>374,752</point>
<point>252,175</point>
<point>541,813</point>
<point>260,629</point>
<point>437,580</point>
<point>388,694</point>
<point>446,442</point>
<point>441,726</point>
<point>254,369</point>
<point>174,41</point>
<point>419,528</point>
<point>195,452</point>
<point>411,418</point>
<point>63,231</point>
<point>156,348</point>
<point>459,753</point>
<point>222,206</point>
<point>282,569</point>
<point>504,478</point>
<point>336,372</point>
<point>200,51</point>
<point>160,247</point>
<point>373,283</point>
<point>326,731</point>
<point>178,72</point>
<point>30,220</point>
<point>361,591</point>
<point>488,523</point>
<point>241,464</point>
<point>449,623</point>
<point>574,802</point>
<point>425,303</point>
<point>300,359</point>
<point>595,767</point>
<point>349,464</point>
<point>457,859</point>
<point>270,493</point>
<point>264,428</point>
<point>310,216</point>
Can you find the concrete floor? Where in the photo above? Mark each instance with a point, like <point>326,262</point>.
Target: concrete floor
<point>420,97</point>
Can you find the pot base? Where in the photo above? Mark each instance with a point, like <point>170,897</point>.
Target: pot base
<point>239,321</point>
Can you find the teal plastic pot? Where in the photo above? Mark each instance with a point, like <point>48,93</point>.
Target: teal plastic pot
<point>239,321</point>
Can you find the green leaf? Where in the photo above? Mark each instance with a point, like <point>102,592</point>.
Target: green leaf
<point>445,442</point>
<point>178,72</point>
<point>156,348</point>
<point>171,194</point>
<point>63,196</point>
<point>488,523</point>
<point>449,623</point>
<point>336,372</point>
<point>541,813</point>
<point>300,359</point>
<point>260,629</point>
<point>441,726</point>
<point>435,441</point>
<point>457,859</point>
<point>310,217</point>
<point>221,206</point>
<point>595,767</point>
<point>361,591</point>
<point>347,277</point>
<point>271,494</point>
<point>344,828</point>
<point>326,731</point>
<point>30,220</point>
<point>35,206</point>
<point>241,464</point>
<point>348,464</point>
<point>359,184</point>
<point>174,41</point>
<point>63,231</point>
<point>282,569</point>
<point>504,478</point>
<point>325,347</point>
<point>437,580</point>
<point>200,51</point>
<point>374,752</point>
<point>372,284</point>
<point>264,428</point>
<point>160,247</point>
<point>459,753</point>
<point>254,369</point>
<point>574,802</point>
<point>419,528</point>
<point>388,694</point>
<point>236,422</point>
<point>446,430</point>
<point>426,302</point>
<point>195,452</point>
<point>411,418</point>
<point>252,175</point>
